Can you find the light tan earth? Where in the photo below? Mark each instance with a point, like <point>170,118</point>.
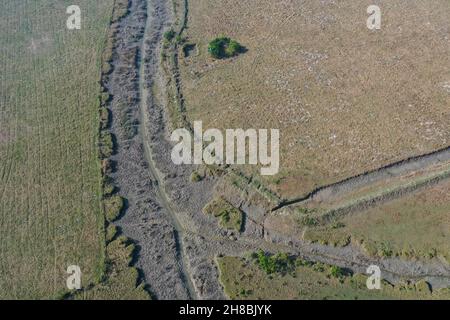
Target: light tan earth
<point>346,99</point>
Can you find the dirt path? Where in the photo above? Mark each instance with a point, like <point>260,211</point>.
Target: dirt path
<point>390,171</point>
<point>148,65</point>
<point>146,219</point>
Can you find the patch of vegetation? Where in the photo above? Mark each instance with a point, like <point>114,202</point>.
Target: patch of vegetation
<point>169,35</point>
<point>121,279</point>
<point>309,221</point>
<point>279,263</point>
<point>196,177</point>
<point>327,235</point>
<point>229,217</point>
<point>120,10</point>
<point>126,122</point>
<point>224,47</point>
<point>385,250</point>
<point>111,232</point>
<point>104,118</point>
<point>338,225</point>
<point>108,189</point>
<point>105,145</point>
<point>337,272</point>
<point>179,39</point>
<point>113,207</point>
<point>188,48</point>
<point>306,211</point>
<point>246,279</point>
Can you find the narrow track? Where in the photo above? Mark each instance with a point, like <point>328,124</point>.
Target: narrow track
<point>393,170</point>
<point>153,29</point>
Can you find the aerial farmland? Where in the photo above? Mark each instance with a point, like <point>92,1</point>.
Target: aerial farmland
<point>223,149</point>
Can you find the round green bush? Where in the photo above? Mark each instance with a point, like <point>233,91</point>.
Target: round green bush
<point>224,47</point>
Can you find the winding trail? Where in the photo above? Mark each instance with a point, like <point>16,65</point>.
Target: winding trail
<point>154,32</point>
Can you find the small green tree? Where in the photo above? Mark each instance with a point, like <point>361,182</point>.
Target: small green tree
<point>337,272</point>
<point>224,47</point>
<point>169,35</point>
<point>265,262</point>
<point>280,263</point>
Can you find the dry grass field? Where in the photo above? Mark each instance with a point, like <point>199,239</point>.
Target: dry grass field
<point>346,99</point>
<point>415,226</point>
<point>50,214</point>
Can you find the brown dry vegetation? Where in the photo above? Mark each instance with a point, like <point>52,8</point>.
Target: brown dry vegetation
<point>345,98</point>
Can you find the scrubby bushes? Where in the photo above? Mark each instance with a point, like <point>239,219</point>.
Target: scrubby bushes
<point>283,263</point>
<point>279,263</point>
<point>108,189</point>
<point>337,272</point>
<point>113,207</point>
<point>309,221</point>
<point>104,118</point>
<point>230,218</point>
<point>196,177</point>
<point>224,47</point>
<point>106,145</point>
<point>111,232</point>
<point>169,35</point>
<point>120,10</point>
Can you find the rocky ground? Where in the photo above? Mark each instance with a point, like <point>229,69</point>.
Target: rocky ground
<point>177,243</point>
<point>145,219</point>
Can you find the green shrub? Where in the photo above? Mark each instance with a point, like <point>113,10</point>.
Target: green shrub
<point>306,211</point>
<point>338,225</point>
<point>223,47</point>
<point>111,232</point>
<point>113,207</point>
<point>179,39</point>
<point>299,262</point>
<point>385,250</point>
<point>309,221</point>
<point>104,98</point>
<point>337,272</point>
<point>196,177</point>
<point>104,118</point>
<point>169,35</point>
<point>233,48</point>
<point>106,145</point>
<point>231,218</point>
<point>279,263</point>
<point>108,189</point>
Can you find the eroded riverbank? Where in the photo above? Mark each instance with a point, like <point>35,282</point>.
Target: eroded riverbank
<point>163,215</point>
